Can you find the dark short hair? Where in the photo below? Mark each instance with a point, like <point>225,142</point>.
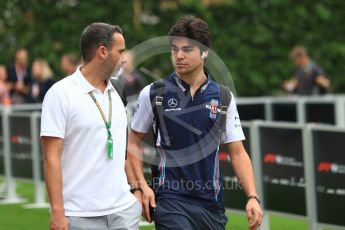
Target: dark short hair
<point>193,28</point>
<point>94,35</point>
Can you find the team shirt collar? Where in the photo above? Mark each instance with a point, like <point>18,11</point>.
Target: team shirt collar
<point>185,87</point>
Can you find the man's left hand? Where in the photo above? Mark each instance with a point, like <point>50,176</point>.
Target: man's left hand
<point>254,213</point>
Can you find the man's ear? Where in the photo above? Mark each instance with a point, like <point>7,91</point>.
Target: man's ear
<point>102,52</point>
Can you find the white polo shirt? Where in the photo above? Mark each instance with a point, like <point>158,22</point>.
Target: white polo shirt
<point>92,184</point>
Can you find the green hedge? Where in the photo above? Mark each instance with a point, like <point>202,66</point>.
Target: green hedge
<point>252,37</point>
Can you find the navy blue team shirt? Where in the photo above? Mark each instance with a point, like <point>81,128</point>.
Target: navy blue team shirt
<point>188,141</point>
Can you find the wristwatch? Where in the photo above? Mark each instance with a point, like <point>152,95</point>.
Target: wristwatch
<point>254,197</point>
<point>134,189</point>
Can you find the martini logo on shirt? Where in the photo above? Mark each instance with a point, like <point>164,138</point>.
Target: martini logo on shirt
<point>214,109</point>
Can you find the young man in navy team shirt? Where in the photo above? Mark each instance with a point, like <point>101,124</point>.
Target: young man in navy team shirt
<point>187,189</point>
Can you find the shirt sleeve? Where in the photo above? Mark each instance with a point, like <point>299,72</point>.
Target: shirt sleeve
<point>54,115</point>
<point>233,130</point>
<point>143,117</point>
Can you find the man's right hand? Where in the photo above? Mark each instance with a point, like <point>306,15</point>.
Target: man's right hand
<point>59,222</point>
<point>148,200</point>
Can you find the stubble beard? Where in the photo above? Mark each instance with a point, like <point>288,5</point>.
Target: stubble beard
<point>110,69</point>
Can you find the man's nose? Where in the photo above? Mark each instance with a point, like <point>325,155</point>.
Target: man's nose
<point>180,54</point>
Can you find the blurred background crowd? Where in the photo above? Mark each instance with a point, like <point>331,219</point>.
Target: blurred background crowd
<point>271,47</point>
<point>24,82</point>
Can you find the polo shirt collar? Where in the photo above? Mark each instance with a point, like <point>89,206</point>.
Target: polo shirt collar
<point>85,86</point>
<point>185,87</point>
<point>109,86</point>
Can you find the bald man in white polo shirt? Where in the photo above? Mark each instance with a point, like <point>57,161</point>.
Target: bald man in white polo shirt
<point>83,132</point>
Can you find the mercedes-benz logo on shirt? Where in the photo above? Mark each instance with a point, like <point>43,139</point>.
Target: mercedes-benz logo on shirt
<point>172,103</point>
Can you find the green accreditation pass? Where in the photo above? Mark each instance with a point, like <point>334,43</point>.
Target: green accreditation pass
<point>110,141</point>
<point>110,148</point>
<point>107,123</point>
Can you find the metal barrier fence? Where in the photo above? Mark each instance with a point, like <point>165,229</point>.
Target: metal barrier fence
<point>321,109</point>
<point>21,153</point>
<point>318,109</point>
<point>299,168</point>
<point>325,173</point>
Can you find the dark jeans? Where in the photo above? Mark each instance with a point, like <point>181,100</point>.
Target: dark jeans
<point>176,215</point>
